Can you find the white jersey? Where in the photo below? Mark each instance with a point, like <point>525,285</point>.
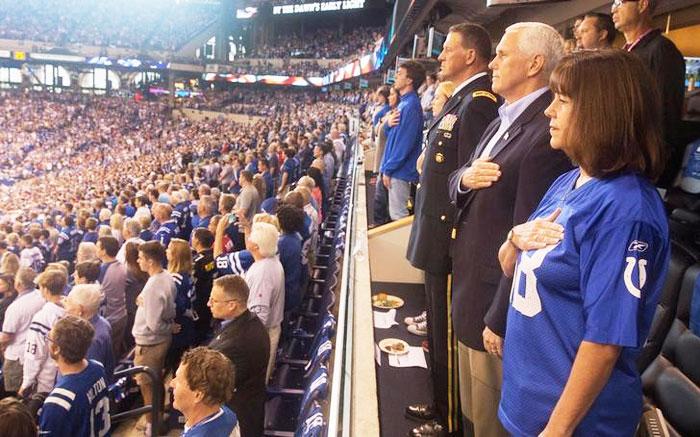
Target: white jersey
<point>17,319</point>
<point>32,257</point>
<point>39,367</point>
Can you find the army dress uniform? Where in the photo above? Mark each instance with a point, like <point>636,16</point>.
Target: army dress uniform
<point>450,141</point>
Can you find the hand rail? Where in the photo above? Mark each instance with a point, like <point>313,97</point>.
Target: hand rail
<point>156,395</point>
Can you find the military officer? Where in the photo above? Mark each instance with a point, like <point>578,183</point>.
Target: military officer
<point>451,139</point>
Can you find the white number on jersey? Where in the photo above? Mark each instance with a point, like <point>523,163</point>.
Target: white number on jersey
<point>101,412</point>
<point>529,305</point>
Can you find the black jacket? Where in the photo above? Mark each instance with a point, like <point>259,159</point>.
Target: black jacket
<point>245,342</point>
<point>203,275</point>
<point>450,141</point>
<point>528,167</point>
<point>667,68</point>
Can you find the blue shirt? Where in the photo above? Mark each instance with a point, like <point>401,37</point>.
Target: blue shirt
<point>235,263</point>
<point>269,184</point>
<point>222,423</point>
<point>78,405</point>
<point>183,216</point>
<point>600,284</point>
<point>291,167</point>
<point>90,237</point>
<point>289,247</point>
<point>146,235</point>
<point>101,346</point>
<point>184,298</point>
<point>403,143</point>
<point>65,249</point>
<point>166,231</point>
<point>269,205</point>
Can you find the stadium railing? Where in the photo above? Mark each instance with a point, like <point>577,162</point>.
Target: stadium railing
<point>354,408</point>
<point>122,378</point>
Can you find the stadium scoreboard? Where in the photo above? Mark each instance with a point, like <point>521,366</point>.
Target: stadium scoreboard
<point>322,6</point>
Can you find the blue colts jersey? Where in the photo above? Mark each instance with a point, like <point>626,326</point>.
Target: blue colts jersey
<point>78,405</point>
<point>600,284</point>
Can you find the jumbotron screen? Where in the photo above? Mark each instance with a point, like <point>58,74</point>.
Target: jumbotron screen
<point>321,6</point>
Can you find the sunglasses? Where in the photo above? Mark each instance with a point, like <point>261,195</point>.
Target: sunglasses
<point>617,3</point>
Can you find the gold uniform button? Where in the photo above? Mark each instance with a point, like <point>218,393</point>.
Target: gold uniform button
<point>439,158</point>
<point>442,217</point>
<point>439,143</point>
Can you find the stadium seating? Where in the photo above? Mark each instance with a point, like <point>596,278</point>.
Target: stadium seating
<point>299,384</point>
<point>666,308</point>
<point>672,381</point>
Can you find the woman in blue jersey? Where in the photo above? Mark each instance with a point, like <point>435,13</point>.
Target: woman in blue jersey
<point>591,261</point>
<point>180,267</point>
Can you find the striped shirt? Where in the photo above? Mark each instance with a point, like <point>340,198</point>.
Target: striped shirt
<point>78,406</point>
<point>39,368</point>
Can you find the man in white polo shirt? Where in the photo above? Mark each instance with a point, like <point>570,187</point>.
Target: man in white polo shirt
<point>16,325</point>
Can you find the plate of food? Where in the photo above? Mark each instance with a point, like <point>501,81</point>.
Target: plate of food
<point>386,301</point>
<point>394,346</point>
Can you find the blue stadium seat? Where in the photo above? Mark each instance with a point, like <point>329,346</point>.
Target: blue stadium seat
<point>672,381</point>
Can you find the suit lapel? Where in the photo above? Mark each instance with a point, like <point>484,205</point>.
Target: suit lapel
<point>506,139</point>
<point>486,137</point>
<point>536,107</point>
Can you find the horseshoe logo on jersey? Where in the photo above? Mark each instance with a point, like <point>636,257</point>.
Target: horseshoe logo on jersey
<point>629,284</point>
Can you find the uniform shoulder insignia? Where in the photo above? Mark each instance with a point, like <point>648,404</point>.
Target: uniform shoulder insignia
<point>484,94</point>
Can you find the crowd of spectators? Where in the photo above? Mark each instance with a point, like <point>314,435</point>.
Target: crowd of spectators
<point>131,226</point>
<point>303,68</point>
<point>106,23</point>
<point>266,101</point>
<point>321,44</point>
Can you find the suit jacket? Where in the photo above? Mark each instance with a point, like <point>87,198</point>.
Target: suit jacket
<point>450,141</point>
<point>528,166</point>
<point>667,68</point>
<point>245,342</point>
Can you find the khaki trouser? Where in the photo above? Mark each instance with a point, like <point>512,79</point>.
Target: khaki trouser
<point>274,334</point>
<point>480,378</point>
<point>152,356</point>
<point>12,374</point>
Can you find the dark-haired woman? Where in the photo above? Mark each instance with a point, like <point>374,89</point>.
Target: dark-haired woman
<point>591,261</point>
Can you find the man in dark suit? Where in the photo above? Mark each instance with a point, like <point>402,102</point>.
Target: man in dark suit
<point>243,339</point>
<point>665,61</point>
<point>511,169</point>
<point>451,138</point>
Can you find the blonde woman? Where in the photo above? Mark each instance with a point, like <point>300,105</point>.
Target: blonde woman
<point>116,223</point>
<point>179,257</point>
<point>9,264</point>
<point>442,95</point>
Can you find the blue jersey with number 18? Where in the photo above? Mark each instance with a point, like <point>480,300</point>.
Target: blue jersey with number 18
<point>599,284</point>
<point>78,405</point>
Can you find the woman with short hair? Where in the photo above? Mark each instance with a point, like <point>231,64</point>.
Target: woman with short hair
<point>592,260</point>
